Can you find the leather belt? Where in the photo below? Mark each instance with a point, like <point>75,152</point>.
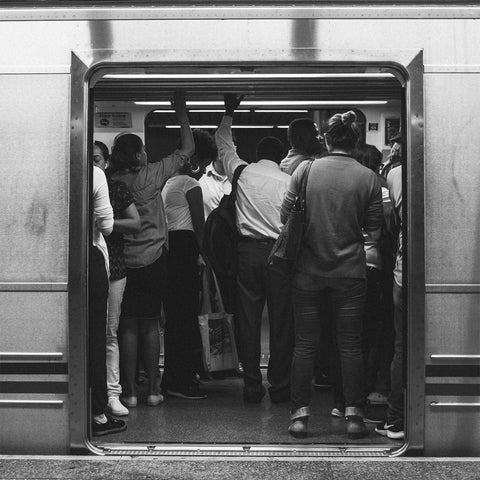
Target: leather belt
<point>265,240</point>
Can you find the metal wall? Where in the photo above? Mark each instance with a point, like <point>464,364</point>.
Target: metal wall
<point>34,132</point>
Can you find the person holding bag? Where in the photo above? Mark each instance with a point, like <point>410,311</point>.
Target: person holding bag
<point>342,198</point>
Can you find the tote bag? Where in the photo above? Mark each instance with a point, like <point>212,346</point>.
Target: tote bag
<point>216,329</point>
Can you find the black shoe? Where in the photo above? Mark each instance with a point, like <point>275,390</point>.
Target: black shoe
<point>190,392</point>
<point>355,427</point>
<point>252,395</point>
<point>112,425</point>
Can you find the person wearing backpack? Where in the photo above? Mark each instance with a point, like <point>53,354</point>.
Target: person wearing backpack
<point>260,190</point>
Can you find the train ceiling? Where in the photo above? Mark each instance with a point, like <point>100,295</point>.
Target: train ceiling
<point>294,90</point>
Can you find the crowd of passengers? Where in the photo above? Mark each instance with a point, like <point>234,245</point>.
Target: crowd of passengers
<point>338,317</point>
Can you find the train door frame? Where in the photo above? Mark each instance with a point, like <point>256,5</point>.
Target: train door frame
<point>87,67</point>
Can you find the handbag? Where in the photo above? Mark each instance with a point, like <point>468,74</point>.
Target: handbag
<point>283,257</point>
<point>219,349</point>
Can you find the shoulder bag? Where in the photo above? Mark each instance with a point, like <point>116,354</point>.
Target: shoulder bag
<point>284,253</point>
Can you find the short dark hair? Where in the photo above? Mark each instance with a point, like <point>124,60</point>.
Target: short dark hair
<point>342,131</point>
<point>369,156</point>
<point>205,146</point>
<point>124,152</point>
<point>298,130</point>
<point>103,148</point>
<point>270,148</point>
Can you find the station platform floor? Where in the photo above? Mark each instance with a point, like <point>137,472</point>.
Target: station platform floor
<point>143,468</point>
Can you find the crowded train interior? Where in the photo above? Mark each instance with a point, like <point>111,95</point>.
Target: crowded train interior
<point>138,100</point>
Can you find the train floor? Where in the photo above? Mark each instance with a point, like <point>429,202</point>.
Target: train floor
<point>224,418</point>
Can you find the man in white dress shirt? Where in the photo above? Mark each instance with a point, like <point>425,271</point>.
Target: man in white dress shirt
<point>260,191</point>
<point>214,185</point>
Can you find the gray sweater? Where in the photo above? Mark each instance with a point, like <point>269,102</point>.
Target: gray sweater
<point>343,197</point>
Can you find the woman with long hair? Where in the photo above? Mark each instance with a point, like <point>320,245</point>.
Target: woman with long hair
<point>145,252</point>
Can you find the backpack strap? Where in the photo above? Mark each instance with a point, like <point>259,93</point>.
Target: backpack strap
<point>236,175</point>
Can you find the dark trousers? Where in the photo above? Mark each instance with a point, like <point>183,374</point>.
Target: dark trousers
<point>377,342</point>
<point>312,313</point>
<point>396,400</point>
<point>97,330</point>
<point>182,334</point>
<point>255,285</point>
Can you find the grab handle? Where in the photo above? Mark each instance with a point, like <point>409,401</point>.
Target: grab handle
<point>454,357</point>
<point>455,404</point>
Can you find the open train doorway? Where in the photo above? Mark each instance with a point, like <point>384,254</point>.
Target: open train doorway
<point>124,100</point>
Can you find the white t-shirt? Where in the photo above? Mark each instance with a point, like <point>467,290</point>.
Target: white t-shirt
<point>174,196</point>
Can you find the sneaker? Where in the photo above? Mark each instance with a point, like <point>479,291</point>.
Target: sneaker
<point>337,412</point>
<point>154,400</point>
<point>191,392</point>
<point>376,398</point>
<point>254,395</point>
<point>115,407</point>
<point>393,430</point>
<point>112,425</point>
<point>355,427</point>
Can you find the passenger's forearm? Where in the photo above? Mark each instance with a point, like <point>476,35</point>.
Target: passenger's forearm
<point>126,225</point>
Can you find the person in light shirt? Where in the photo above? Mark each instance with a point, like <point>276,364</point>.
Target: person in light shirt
<point>260,191</point>
<point>214,182</point>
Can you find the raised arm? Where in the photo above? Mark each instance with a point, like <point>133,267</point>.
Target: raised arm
<point>227,153</point>
<point>180,107</point>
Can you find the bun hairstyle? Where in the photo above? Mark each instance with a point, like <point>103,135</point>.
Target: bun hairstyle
<point>349,117</point>
<point>124,153</point>
<point>342,131</point>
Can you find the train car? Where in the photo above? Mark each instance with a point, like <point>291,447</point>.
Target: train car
<point>72,71</point>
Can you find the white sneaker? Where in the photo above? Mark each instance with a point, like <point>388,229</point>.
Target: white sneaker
<point>115,407</point>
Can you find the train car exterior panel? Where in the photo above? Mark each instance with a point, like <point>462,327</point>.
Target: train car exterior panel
<point>34,380</point>
<point>34,225</point>
<point>452,324</point>
<point>452,178</point>
<point>39,103</point>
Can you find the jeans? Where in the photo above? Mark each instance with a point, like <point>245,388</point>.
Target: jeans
<point>310,307</point>
<point>396,399</point>
<point>115,295</point>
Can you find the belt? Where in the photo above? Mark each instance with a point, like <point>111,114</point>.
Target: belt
<point>264,240</point>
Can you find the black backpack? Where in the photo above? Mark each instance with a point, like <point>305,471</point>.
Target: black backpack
<point>220,234</point>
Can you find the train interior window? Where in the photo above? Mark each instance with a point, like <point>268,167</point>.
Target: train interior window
<point>141,104</point>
